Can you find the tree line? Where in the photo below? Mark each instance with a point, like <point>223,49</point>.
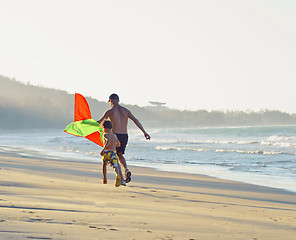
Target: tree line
<point>28,106</point>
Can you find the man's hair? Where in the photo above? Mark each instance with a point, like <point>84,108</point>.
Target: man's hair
<point>107,124</point>
<point>113,96</point>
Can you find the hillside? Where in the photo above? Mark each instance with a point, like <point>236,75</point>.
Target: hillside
<point>27,106</point>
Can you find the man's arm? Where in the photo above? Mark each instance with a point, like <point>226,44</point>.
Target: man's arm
<point>138,124</point>
<point>105,116</point>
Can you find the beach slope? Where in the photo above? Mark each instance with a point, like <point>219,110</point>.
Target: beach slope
<point>61,199</point>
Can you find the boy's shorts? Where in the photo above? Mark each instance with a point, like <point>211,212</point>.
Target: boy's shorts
<point>111,157</point>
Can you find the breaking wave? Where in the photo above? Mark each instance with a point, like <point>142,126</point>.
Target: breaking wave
<point>171,148</point>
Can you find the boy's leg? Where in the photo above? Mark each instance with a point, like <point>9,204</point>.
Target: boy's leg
<point>118,173</point>
<point>104,170</point>
<point>117,180</point>
<point>117,169</point>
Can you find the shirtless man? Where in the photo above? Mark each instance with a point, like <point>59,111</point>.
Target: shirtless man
<point>119,117</point>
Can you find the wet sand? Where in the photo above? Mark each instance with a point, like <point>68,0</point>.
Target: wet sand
<point>61,199</point>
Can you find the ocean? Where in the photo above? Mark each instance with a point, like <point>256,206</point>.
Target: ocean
<point>258,155</point>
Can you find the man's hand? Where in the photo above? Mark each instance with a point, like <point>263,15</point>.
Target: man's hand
<point>147,136</point>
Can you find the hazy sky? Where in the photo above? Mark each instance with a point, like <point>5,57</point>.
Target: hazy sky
<point>202,54</point>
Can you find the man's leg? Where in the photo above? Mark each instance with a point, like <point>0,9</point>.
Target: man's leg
<point>122,160</point>
<point>123,163</point>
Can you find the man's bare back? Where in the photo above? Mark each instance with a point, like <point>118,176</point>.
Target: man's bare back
<point>119,118</point>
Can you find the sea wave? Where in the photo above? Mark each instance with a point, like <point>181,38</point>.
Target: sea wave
<point>279,141</point>
<point>264,152</point>
<point>208,141</point>
<point>274,140</point>
<point>278,138</point>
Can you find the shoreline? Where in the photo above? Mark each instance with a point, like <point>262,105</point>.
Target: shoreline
<point>43,198</point>
<point>172,168</point>
<point>226,178</point>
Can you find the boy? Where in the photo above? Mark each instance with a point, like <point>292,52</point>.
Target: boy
<point>110,156</point>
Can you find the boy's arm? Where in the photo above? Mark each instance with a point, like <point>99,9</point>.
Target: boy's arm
<point>118,143</point>
<point>106,141</point>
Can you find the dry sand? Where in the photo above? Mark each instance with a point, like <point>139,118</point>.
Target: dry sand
<point>59,199</point>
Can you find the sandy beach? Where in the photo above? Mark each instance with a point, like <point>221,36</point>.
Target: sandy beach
<point>63,199</point>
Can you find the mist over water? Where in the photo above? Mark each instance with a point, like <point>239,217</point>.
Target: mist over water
<point>259,155</point>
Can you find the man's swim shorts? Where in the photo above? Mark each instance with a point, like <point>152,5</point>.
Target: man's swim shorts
<point>123,138</point>
<point>111,157</point>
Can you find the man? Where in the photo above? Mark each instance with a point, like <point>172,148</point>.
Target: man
<point>119,117</point>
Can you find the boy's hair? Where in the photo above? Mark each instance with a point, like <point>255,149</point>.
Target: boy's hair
<point>107,124</point>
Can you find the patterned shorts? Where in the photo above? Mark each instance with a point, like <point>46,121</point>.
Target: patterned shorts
<point>111,157</point>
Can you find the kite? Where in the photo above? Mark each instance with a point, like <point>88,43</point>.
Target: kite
<point>84,125</point>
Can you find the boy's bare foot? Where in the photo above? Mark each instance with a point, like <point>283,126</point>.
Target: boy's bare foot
<point>104,181</point>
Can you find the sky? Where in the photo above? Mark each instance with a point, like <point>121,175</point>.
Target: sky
<point>189,54</point>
